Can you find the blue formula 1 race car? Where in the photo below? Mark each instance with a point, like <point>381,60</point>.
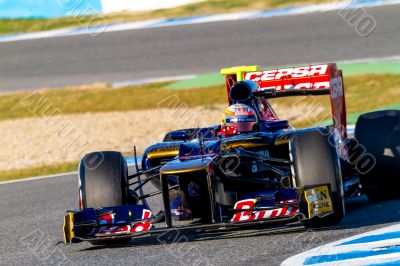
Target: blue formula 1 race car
<point>252,169</point>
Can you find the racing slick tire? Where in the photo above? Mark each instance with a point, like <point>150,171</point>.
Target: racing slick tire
<point>103,179</point>
<point>316,161</point>
<point>377,135</point>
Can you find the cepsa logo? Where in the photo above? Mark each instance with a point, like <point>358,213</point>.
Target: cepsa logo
<point>278,74</point>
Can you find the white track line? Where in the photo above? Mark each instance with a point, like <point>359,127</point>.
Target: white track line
<point>36,178</point>
<point>371,59</point>
<point>48,176</point>
<point>150,80</point>
<point>334,249</point>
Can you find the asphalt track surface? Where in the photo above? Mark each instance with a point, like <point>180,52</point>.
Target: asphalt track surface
<point>193,49</point>
<point>31,221</point>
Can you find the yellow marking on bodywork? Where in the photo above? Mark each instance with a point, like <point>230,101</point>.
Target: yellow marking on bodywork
<point>181,167</point>
<point>244,145</point>
<point>239,71</point>
<point>281,141</point>
<point>161,154</point>
<point>183,171</point>
<point>68,227</point>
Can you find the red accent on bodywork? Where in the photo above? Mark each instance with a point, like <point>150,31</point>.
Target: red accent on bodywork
<point>230,80</point>
<point>106,229</point>
<point>274,213</point>
<point>105,219</point>
<point>248,214</point>
<point>267,112</point>
<point>283,211</point>
<point>293,211</point>
<point>307,77</point>
<point>227,131</point>
<point>142,226</point>
<point>338,103</point>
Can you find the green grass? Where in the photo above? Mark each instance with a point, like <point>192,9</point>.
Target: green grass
<point>43,170</point>
<point>38,171</point>
<point>8,26</point>
<point>104,99</point>
<point>363,92</point>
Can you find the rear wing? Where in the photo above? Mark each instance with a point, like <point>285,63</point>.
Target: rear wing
<point>307,80</point>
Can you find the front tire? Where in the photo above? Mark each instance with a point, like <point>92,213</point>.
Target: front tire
<point>316,161</point>
<point>103,179</point>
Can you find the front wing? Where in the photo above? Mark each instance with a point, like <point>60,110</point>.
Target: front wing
<point>129,221</point>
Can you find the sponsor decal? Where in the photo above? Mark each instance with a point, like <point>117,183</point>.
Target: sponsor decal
<point>108,219</point>
<point>248,214</point>
<point>278,74</point>
<point>297,78</point>
<point>319,201</point>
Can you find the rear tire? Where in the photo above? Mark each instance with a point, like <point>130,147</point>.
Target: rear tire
<point>103,178</point>
<point>378,135</point>
<point>316,161</point>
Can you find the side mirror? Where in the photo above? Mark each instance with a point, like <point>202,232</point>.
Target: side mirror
<point>179,135</point>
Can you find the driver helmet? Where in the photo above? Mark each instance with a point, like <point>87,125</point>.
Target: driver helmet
<point>239,118</point>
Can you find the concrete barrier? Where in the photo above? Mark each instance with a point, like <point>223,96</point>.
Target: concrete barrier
<point>66,8</point>
<point>48,8</point>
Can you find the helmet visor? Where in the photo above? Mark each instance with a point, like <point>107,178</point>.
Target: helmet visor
<point>243,126</point>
